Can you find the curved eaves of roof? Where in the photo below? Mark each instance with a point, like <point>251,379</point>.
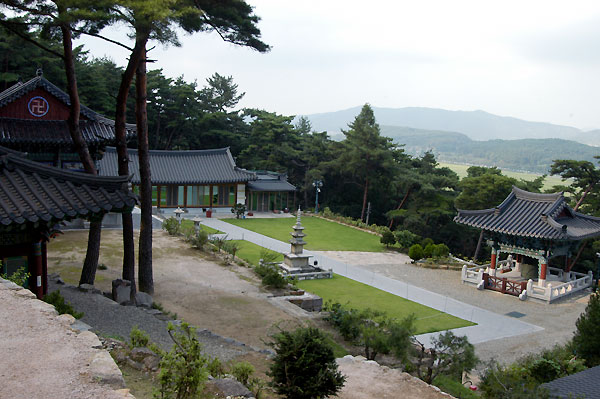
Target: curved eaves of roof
<point>544,216</point>
<point>34,193</point>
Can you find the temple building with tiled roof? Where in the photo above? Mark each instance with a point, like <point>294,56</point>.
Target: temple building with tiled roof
<point>536,227</point>
<point>36,197</point>
<point>33,119</point>
<point>205,179</point>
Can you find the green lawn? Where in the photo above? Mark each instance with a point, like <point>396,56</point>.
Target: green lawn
<point>321,235</point>
<point>250,252</point>
<point>549,181</point>
<point>209,230</point>
<point>361,296</point>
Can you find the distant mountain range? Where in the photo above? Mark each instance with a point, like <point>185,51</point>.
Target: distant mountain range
<point>477,125</point>
<point>473,137</point>
<point>531,155</point>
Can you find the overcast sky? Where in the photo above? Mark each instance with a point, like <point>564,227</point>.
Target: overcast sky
<point>534,60</point>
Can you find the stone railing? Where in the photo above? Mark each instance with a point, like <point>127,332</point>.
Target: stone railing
<point>570,282</point>
<point>474,274</point>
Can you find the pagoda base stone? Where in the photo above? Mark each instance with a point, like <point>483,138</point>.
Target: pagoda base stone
<point>305,273</point>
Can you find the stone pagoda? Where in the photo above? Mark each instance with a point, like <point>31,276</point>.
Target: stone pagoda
<point>296,262</point>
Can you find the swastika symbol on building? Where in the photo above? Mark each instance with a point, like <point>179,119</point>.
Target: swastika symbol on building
<point>38,106</point>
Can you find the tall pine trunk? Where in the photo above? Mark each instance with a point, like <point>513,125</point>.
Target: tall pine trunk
<point>88,273</point>
<point>123,158</point>
<point>145,278</point>
<point>364,206</point>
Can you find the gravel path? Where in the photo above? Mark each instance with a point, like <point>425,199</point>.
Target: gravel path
<point>107,318</point>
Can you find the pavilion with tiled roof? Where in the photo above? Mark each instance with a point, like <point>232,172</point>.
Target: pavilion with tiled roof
<point>270,191</point>
<point>35,198</point>
<point>538,226</point>
<point>33,119</point>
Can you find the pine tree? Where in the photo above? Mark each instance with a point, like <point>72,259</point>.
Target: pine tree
<point>585,341</point>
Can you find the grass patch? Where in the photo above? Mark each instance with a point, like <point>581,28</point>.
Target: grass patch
<point>549,181</point>
<point>361,296</point>
<point>322,235</point>
<point>209,230</point>
<point>250,252</point>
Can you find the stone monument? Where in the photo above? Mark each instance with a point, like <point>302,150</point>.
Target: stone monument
<point>296,263</point>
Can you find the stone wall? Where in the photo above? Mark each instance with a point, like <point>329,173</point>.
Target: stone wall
<point>43,356</point>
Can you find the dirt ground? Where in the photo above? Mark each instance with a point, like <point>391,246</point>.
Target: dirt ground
<point>198,288</point>
<point>205,291</point>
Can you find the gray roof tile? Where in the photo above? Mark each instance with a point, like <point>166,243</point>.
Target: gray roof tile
<point>546,216</point>
<point>36,193</point>
<point>580,385</point>
<point>181,167</point>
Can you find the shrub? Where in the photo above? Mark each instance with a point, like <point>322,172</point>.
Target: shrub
<point>449,355</point>
<point>507,382</point>
<point>373,330</point>
<point>198,239</point>
<point>231,247</point>
<point>138,338</point>
<point>304,366</point>
<point>271,277</point>
<point>428,251</point>
<point>440,251</point>
<point>426,241</point>
<point>172,226</point>
<point>19,277</point>
<point>327,213</point>
<point>415,252</point>
<point>268,256</point>
<point>387,238</point>
<point>183,370</point>
<point>585,342</point>
<point>218,241</point>
<point>242,371</point>
<point>405,238</point>
<point>238,210</point>
<point>62,307</point>
<point>454,388</point>
<point>215,368</point>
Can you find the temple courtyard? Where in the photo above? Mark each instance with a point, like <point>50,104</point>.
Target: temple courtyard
<point>228,300</point>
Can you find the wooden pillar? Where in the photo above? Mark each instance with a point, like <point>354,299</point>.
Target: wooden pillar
<point>543,271</point>
<point>37,269</point>
<point>493,261</point>
<point>44,268</point>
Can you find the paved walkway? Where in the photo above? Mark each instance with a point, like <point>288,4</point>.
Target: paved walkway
<point>490,326</point>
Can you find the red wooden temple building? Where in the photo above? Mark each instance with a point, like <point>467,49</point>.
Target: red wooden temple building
<point>530,228</point>
<point>36,196</point>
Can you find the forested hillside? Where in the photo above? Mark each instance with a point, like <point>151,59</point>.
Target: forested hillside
<point>532,155</point>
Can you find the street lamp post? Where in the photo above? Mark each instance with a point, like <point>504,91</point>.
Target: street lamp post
<point>317,184</point>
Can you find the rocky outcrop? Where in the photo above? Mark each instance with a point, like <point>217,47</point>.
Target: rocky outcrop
<point>367,379</point>
<point>43,356</point>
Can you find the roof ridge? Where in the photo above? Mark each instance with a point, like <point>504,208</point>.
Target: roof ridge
<point>174,152</point>
<point>528,195</point>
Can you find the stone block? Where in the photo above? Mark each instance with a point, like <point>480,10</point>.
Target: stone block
<point>140,354</point>
<point>121,290</point>
<point>228,387</point>
<point>89,288</point>
<point>151,363</point>
<point>144,300</point>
